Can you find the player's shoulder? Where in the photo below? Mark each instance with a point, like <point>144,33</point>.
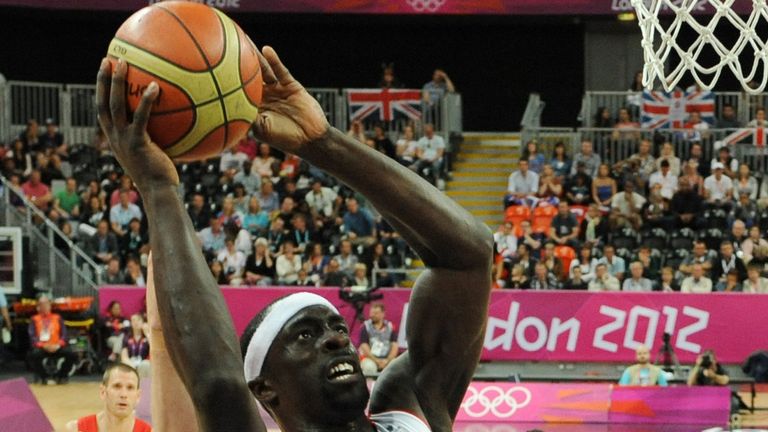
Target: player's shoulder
<point>140,425</point>
<point>71,426</point>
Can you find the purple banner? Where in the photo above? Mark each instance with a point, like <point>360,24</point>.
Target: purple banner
<point>559,325</point>
<point>488,7</point>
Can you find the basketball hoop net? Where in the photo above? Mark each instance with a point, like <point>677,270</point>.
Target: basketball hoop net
<point>660,43</point>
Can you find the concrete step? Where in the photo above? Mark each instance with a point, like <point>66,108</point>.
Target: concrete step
<point>484,165</point>
<point>484,158</point>
<point>480,173</point>
<point>493,207</point>
<point>487,212</point>
<point>491,170</point>
<point>484,193</point>
<point>474,201</point>
<point>475,183</point>
<point>476,190</point>
<point>494,150</point>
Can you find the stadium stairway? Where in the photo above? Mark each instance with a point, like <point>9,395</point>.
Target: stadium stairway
<point>480,174</point>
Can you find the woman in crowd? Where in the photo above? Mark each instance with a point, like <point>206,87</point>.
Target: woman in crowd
<point>745,183</point>
<point>259,267</point>
<point>550,186</point>
<point>229,213</point>
<point>752,242</point>
<point>585,265</point>
<point>136,349</point>
<point>21,157</point>
<point>93,213</point>
<point>668,154</point>
<point>691,174</point>
<point>518,278</point>
<point>256,220</point>
<point>114,327</point>
<point>603,187</point>
<point>217,270</point>
<point>535,159</point>
<point>668,282</point>
<point>603,118</point>
<point>560,162</point>
<point>262,163</point>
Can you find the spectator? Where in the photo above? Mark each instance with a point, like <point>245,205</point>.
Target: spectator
<point>267,197</point>
<point>518,279</point>
<point>727,261</point>
<point>603,187</point>
<point>651,264</point>
<point>667,180</point>
<point>52,141</point>
<point>346,259</point>
<point>543,279</point>
<point>30,136</point>
<point>259,267</point>
<point>522,186</point>
<point>755,284</point>
<point>754,241</point>
<point>232,261</point>
<point>668,154</point>
<point>276,235</point>
<point>435,90</point>
<point>707,371</point>
<point>50,354</point>
<point>759,120</point>
<point>696,282</point>
<point>524,259</point>
<point>250,180</point>
<point>119,390</point>
<point>745,211</point>
<point>212,237</point>
<point>430,151</point>
<point>644,160</point>
<point>290,167</point>
<point>301,235</point>
<point>691,174</point>
<point>737,236</point>
<point>378,341</point>
<point>625,128</point>
<point>21,157</point>
<point>388,79</point>
<point>585,263</point>
<point>407,147</point>
<point>595,228</point>
<point>321,200</point>
<point>728,119</point>
<point>604,118</point>
<point>554,264</point>
<point>382,143</point>
<point>697,129</point>
<point>686,207</point>
<point>699,256</point>
<point>103,244</point>
<point>317,261</point>
<point>730,164</point>
<point>550,186</point>
<point>560,161</point>
<point>114,274</point>
<point>579,191</point>
<point>744,182</point>
<point>113,327</point>
<point>730,284</point>
<point>136,350</point>
<point>37,192</point>
<point>357,131</point>
<point>643,373</point>
<point>378,264</point>
<point>615,264</point>
<point>135,241</point>
<point>360,276</point>
<point>262,163</point>
<point>590,160</point>
<point>533,240</point>
<point>506,241</point>
<point>626,208</point>
<point>576,281</point>
<point>334,276</point>
<point>249,147</point>
<point>198,212</point>
<point>565,228</point>
<point>668,282</point>
<point>636,281</point>
<point>288,264</point>
<point>697,155</point>
<point>240,200</point>
<point>603,280</point>
<point>359,224</point>
<point>121,214</point>
<point>231,161</point>
<point>256,220</point>
<point>126,185</point>
<point>228,213</point>
<point>718,188</point>
<point>67,201</point>
<point>134,275</point>
<point>535,159</point>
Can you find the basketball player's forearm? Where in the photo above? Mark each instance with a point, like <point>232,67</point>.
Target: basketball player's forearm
<point>442,232</point>
<point>190,303</point>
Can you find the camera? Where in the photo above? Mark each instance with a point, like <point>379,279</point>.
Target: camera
<point>358,298</point>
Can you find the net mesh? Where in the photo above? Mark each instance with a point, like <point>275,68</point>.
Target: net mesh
<point>669,59</point>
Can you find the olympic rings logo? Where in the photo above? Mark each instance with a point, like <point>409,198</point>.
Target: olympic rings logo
<point>494,400</point>
<point>426,5</point>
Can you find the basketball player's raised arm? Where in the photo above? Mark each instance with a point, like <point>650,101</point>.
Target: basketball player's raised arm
<point>199,334</point>
<point>449,304</point>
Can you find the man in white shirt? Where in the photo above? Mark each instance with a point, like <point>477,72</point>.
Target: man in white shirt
<point>522,186</point>
<point>696,282</point>
<point>637,282</point>
<point>603,281</point>
<point>321,199</point>
<point>718,188</point>
<point>431,149</point>
<point>626,207</point>
<point>666,179</point>
<point>754,283</point>
<point>121,214</point>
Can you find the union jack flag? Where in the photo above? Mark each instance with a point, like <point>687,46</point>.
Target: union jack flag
<point>757,135</point>
<point>671,110</point>
<point>388,103</point>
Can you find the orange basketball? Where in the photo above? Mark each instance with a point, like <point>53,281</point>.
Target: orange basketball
<point>207,70</point>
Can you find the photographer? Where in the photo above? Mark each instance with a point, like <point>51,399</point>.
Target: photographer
<point>707,371</point>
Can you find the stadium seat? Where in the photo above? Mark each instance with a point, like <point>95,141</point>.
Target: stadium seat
<point>566,255</point>
<point>542,218</point>
<point>655,239</point>
<point>712,238</point>
<point>763,221</point>
<point>682,239</point>
<point>515,215</point>
<point>624,253</point>
<point>674,258</point>
<point>626,238</point>
<point>716,218</point>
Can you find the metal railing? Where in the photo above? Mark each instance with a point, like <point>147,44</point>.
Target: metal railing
<point>744,104</point>
<point>57,264</point>
<point>72,106</point>
<point>547,137</point>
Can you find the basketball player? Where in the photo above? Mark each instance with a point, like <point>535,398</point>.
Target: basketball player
<point>120,392</point>
<point>299,362</point>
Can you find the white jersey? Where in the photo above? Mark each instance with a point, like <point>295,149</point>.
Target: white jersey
<point>398,421</point>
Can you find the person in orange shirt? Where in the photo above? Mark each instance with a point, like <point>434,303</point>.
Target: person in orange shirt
<point>120,392</point>
<point>49,354</point>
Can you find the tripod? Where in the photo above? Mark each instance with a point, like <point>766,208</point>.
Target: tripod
<point>670,363</point>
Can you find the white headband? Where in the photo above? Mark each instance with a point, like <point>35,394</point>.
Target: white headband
<point>279,313</point>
